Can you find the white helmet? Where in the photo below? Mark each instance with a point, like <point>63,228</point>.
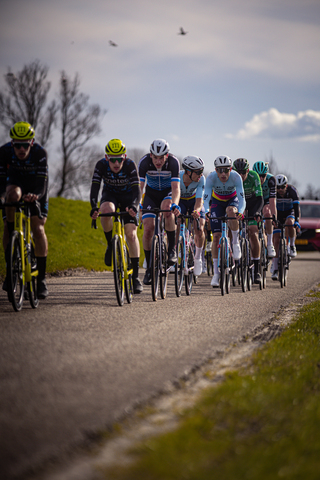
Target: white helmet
<point>281,180</point>
<point>191,162</point>
<point>159,147</point>
<point>223,161</point>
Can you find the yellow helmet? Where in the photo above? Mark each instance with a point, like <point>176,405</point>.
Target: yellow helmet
<point>115,147</point>
<point>22,131</point>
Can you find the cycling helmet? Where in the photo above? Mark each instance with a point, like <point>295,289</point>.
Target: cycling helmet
<point>241,165</point>
<point>281,180</point>
<point>159,147</point>
<point>222,161</point>
<point>261,168</point>
<point>115,147</point>
<point>191,162</point>
<point>22,131</point>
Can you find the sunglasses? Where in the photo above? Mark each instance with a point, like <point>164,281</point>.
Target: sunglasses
<point>19,145</point>
<point>223,169</point>
<point>242,172</point>
<point>281,187</point>
<point>115,159</point>
<point>198,172</point>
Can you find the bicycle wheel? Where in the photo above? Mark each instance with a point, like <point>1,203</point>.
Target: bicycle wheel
<point>243,265</point>
<point>32,286</point>
<point>128,283</point>
<point>14,273</point>
<point>249,267</point>
<point>222,263</point>
<point>164,271</point>
<point>285,264</point>
<point>179,268</point>
<point>281,264</point>
<point>190,266</point>
<point>155,267</point>
<point>118,270</point>
<point>209,264</point>
<point>232,269</point>
<point>263,265</point>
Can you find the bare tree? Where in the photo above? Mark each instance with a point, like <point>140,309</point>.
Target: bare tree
<point>312,193</point>
<point>136,154</point>
<point>79,123</point>
<point>25,99</point>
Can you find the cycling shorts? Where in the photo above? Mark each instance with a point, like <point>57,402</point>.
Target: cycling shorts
<point>120,201</point>
<point>218,209</point>
<point>187,207</point>
<point>27,187</point>
<point>282,217</point>
<point>153,199</point>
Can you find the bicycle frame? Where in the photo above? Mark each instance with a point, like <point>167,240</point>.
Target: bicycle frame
<point>184,270</point>
<point>284,258</point>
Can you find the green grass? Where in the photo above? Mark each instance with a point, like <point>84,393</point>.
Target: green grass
<point>262,422</point>
<point>72,241</point>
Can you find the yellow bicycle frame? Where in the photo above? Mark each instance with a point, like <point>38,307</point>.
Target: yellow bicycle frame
<point>22,225</point>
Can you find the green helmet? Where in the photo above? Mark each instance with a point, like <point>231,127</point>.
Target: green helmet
<point>115,147</point>
<point>22,131</point>
<point>241,165</point>
<point>261,168</point>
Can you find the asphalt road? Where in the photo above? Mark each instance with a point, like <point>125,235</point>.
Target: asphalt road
<point>79,362</point>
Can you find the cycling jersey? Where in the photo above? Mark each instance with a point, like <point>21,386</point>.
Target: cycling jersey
<point>224,192</point>
<point>124,182</point>
<point>253,193</point>
<point>159,179</point>
<point>31,174</point>
<point>193,190</point>
<point>289,202</point>
<point>269,187</point>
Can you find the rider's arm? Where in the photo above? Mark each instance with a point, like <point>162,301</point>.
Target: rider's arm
<point>208,191</point>
<point>175,188</point>
<point>95,184</point>
<point>240,191</point>
<point>42,173</point>
<point>135,185</point>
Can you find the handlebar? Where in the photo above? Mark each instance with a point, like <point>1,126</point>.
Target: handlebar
<point>110,214</point>
<point>23,204</point>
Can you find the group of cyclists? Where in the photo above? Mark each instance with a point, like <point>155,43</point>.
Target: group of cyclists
<point>231,189</point>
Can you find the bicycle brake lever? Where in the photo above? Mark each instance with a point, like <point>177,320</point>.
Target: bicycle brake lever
<point>94,224</point>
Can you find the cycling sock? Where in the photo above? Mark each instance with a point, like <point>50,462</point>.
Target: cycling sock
<point>171,239</point>
<point>209,236</point>
<point>41,265</point>
<point>269,238</point>
<point>135,266</point>
<point>198,253</point>
<point>215,266</point>
<point>147,254</point>
<point>256,262</point>
<point>291,240</point>
<point>235,236</point>
<point>108,236</point>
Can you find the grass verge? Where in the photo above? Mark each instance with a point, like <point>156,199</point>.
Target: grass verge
<point>72,241</point>
<point>262,422</point>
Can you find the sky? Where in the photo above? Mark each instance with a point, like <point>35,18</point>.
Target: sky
<point>244,81</point>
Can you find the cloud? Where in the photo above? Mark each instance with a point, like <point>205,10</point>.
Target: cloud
<point>304,126</point>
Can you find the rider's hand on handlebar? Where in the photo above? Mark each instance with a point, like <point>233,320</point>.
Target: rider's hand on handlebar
<point>30,197</point>
<point>132,210</point>
<point>94,213</point>
<point>176,210</point>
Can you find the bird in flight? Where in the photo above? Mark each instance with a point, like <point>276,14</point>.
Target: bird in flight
<point>112,43</point>
<point>182,32</point>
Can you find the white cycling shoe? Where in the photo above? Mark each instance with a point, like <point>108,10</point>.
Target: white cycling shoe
<point>292,251</point>
<point>215,282</point>
<point>271,251</point>
<point>208,246</point>
<point>197,270</point>
<point>236,251</point>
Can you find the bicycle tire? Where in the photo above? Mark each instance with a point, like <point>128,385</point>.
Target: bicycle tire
<point>222,263</point>
<point>190,265</point>
<point>249,267</point>
<point>155,267</point>
<point>128,282</point>
<point>179,268</point>
<point>281,262</point>
<point>209,264</point>
<point>118,270</point>
<point>263,264</point>
<point>286,264</point>
<point>233,270</point>
<point>243,265</point>
<point>14,273</point>
<point>32,286</point>
<point>164,271</point>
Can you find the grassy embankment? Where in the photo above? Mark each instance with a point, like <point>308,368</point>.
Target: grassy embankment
<point>72,241</point>
<point>261,423</point>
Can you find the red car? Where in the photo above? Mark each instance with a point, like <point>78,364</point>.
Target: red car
<point>310,225</point>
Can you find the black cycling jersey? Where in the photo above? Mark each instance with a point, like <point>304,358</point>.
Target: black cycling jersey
<point>124,183</point>
<point>269,188</point>
<point>159,180</point>
<point>31,174</point>
<point>289,202</point>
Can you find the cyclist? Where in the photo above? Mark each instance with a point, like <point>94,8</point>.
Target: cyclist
<point>159,175</point>
<point>192,183</point>
<point>224,189</point>
<point>120,189</point>
<point>268,183</point>
<point>24,176</point>
<point>288,212</point>
<point>254,203</point>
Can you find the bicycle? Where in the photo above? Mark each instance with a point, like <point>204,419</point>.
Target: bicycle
<point>245,265</point>
<point>159,255</point>
<point>22,269</point>
<point>120,264</point>
<point>185,253</point>
<point>208,257</point>
<point>284,258</point>
<point>264,259</point>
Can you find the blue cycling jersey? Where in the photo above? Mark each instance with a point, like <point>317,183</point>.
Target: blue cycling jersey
<point>224,191</point>
<point>159,179</point>
<point>193,190</point>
